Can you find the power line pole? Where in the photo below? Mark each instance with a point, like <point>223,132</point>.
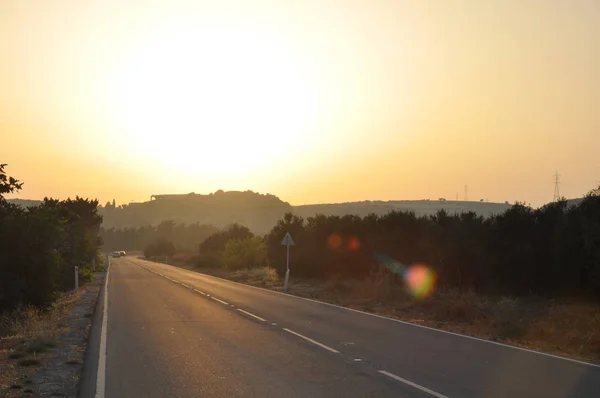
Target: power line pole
<point>556,187</point>
<point>466,196</point>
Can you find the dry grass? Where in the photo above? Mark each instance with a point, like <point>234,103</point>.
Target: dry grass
<point>27,335</point>
<point>263,276</point>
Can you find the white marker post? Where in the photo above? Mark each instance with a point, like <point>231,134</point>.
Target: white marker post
<point>76,277</point>
<point>287,241</point>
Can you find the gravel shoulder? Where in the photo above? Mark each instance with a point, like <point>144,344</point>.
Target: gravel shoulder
<point>44,354</point>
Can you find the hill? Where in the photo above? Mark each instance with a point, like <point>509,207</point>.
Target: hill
<point>257,211</point>
<point>419,207</point>
<point>260,212</point>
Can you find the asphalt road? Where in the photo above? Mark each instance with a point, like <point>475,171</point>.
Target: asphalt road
<point>176,333</point>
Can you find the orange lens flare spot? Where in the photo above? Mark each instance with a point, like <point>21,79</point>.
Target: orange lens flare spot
<point>334,241</point>
<point>420,280</point>
<point>354,244</point>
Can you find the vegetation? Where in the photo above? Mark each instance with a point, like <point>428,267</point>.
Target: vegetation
<point>41,245</point>
<point>161,248</point>
<point>234,248</point>
<point>248,252</point>
<point>184,237</point>
<point>552,251</point>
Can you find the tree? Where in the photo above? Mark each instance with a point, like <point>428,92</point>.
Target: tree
<point>217,242</point>
<point>8,184</point>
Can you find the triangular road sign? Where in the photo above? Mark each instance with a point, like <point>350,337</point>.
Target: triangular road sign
<point>287,240</point>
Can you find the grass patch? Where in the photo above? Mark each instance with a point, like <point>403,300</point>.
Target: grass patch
<point>28,362</point>
<point>262,276</point>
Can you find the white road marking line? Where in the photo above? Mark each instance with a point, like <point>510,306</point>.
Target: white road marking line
<point>410,383</point>
<point>184,285</point>
<point>357,360</point>
<point>252,315</point>
<point>220,301</point>
<point>200,291</point>
<point>101,376</point>
<point>312,341</point>
<point>274,324</point>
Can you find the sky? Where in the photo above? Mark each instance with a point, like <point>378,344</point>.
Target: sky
<point>313,101</point>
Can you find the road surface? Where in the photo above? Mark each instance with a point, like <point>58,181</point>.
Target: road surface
<point>175,333</point>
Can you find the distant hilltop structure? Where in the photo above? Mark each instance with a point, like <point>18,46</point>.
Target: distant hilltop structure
<point>170,196</point>
<point>198,195</point>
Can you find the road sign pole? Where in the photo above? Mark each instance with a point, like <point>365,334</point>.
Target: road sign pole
<point>287,272</point>
<point>287,242</point>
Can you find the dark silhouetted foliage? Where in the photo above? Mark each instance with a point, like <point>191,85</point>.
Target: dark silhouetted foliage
<point>162,247</point>
<point>553,250</point>
<point>216,242</point>
<point>184,237</point>
<point>41,245</point>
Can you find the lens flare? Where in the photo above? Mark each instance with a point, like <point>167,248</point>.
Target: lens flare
<point>354,244</point>
<point>420,280</point>
<point>334,241</point>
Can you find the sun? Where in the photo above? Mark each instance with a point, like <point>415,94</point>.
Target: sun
<point>215,99</point>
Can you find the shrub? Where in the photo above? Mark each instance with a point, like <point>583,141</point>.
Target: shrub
<point>160,248</point>
<point>249,252</point>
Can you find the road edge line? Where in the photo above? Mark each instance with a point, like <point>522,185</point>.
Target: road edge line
<point>101,375</point>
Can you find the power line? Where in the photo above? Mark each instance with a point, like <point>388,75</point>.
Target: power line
<point>556,187</point>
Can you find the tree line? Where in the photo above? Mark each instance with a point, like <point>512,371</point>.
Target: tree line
<point>182,237</point>
<point>553,250</point>
<point>41,245</point>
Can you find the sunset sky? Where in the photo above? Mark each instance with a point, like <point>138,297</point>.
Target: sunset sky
<point>312,101</point>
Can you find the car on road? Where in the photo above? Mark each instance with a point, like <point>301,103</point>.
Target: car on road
<point>122,253</point>
<point>116,254</point>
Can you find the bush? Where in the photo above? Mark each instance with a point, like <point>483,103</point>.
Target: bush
<point>160,248</point>
<point>245,253</point>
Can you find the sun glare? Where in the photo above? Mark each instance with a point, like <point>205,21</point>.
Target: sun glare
<point>214,99</point>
